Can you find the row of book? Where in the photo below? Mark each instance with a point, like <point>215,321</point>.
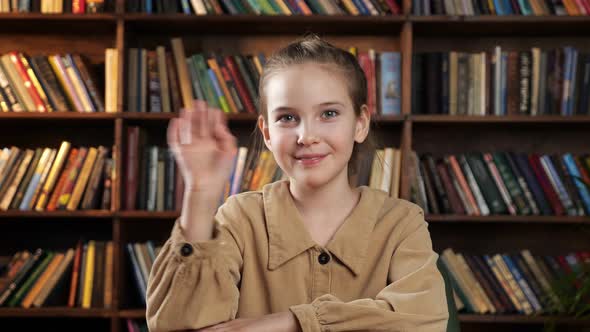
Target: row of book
<point>230,83</point>
<point>501,183</point>
<point>520,282</point>
<point>77,277</point>
<point>49,179</point>
<point>502,82</point>
<point>48,84</point>
<point>57,6</point>
<point>142,256</point>
<point>380,169</point>
<point>266,7</point>
<point>152,181</point>
<point>501,7</point>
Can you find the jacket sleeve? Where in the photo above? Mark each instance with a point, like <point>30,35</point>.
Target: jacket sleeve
<point>415,300</point>
<point>193,285</point>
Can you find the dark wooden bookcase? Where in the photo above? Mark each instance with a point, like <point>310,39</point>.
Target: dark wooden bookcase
<point>92,34</point>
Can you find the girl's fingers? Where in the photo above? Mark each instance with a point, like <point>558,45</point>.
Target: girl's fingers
<point>172,133</point>
<point>227,141</point>
<point>202,116</point>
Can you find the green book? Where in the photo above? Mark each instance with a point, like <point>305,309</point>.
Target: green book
<point>514,189</point>
<point>24,289</point>
<point>206,84</point>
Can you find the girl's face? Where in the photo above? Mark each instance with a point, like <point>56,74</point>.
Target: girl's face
<point>312,126</point>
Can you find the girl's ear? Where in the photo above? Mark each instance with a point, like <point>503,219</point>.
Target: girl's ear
<point>263,127</point>
<point>363,122</point>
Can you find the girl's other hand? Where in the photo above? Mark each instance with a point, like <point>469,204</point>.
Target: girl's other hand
<point>203,147</point>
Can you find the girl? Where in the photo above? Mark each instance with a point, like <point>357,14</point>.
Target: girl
<point>307,253</point>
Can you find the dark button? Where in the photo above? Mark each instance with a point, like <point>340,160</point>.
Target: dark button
<point>323,258</point>
<point>186,250</point>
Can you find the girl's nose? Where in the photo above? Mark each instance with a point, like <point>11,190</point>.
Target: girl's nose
<point>307,135</point>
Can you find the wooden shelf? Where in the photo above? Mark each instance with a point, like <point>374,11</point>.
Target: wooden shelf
<point>512,119</point>
<point>520,319</point>
<point>247,24</point>
<point>494,25</point>
<point>30,22</point>
<point>453,218</point>
<point>132,313</point>
<point>57,312</point>
<point>56,214</point>
<point>149,215</point>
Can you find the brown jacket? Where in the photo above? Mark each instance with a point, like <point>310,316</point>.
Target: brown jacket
<point>378,272</point>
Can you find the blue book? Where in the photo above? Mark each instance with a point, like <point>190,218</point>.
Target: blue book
<point>507,6</point>
<point>521,161</point>
<point>503,84</point>
<point>217,90</point>
<point>499,8</point>
<point>567,79</point>
<point>390,83</point>
<point>186,9</point>
<point>525,8</point>
<point>139,282</point>
<point>524,286</point>
<point>69,63</point>
<point>554,178</point>
<point>575,173</point>
<point>24,205</point>
<point>444,83</point>
<point>148,6</point>
<point>572,90</point>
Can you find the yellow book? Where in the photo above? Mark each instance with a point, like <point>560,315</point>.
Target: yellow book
<point>267,172</point>
<point>82,179</point>
<point>88,276</point>
<point>182,70</point>
<point>258,170</point>
<point>62,154</point>
<point>108,275</point>
<point>350,7</point>
<point>63,81</point>
<point>35,82</point>
<point>257,64</point>
<point>284,7</point>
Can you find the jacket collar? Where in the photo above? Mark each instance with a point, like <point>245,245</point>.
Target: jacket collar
<point>288,236</point>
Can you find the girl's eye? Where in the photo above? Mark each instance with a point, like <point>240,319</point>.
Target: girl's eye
<point>329,114</point>
<point>286,118</point>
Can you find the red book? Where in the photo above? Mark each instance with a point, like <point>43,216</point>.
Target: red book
<point>392,4</point>
<point>367,65</point>
<point>550,193</point>
<point>52,205</point>
<point>70,181</point>
<point>132,168</point>
<point>78,6</point>
<point>20,68</point>
<point>240,85</point>
<point>75,271</point>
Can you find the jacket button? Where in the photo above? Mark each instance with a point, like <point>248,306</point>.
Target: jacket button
<point>323,258</point>
<point>186,250</point>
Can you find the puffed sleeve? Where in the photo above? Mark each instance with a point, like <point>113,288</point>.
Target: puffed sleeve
<point>415,300</point>
<point>193,285</point>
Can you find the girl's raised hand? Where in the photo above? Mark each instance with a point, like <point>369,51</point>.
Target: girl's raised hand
<point>203,147</point>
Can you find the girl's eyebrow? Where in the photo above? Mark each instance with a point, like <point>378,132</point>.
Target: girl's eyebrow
<point>287,108</point>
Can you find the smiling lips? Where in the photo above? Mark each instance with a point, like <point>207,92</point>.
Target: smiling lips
<point>310,159</point>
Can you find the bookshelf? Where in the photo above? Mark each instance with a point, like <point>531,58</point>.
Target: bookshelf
<point>91,34</point>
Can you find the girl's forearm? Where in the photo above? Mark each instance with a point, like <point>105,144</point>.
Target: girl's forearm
<point>197,216</point>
